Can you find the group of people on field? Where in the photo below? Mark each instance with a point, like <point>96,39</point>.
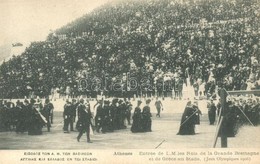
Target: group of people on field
<point>27,116</point>
<point>108,116</point>
<point>238,111</point>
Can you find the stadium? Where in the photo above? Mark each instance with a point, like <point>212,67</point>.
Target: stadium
<point>125,52</point>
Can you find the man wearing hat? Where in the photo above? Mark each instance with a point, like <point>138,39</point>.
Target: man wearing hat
<point>20,117</point>
<point>48,113</point>
<point>122,110</point>
<point>159,107</point>
<point>26,109</point>
<point>106,117</point>
<point>99,117</point>
<point>74,106</point>
<point>128,112</point>
<point>67,116</point>
<point>211,112</point>
<point>114,113</point>
<point>84,118</point>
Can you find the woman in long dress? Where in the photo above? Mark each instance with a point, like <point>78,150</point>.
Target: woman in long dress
<point>187,126</point>
<point>137,119</point>
<point>147,121</point>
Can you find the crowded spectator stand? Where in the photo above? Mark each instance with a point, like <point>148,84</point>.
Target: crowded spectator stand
<point>168,47</point>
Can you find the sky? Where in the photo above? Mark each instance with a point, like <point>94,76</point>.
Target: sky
<point>25,21</point>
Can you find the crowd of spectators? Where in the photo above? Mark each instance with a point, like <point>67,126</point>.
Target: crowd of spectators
<point>156,42</point>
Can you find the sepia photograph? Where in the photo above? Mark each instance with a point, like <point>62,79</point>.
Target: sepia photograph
<point>130,81</point>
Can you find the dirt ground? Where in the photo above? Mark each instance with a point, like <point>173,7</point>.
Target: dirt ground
<point>163,135</point>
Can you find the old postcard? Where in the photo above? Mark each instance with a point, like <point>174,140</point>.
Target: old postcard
<point>129,81</point>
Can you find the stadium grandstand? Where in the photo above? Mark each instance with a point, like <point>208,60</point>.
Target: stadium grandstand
<point>155,47</point>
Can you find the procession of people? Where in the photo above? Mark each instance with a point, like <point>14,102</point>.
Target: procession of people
<point>156,50</point>
<point>109,115</point>
<point>27,116</point>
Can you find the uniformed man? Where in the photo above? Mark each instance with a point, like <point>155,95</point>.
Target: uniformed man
<point>99,118</point>
<point>111,116</point>
<point>20,117</point>
<point>113,113</point>
<point>255,112</point>
<point>122,110</point>
<point>211,112</point>
<point>74,106</point>
<point>106,117</point>
<point>26,109</point>
<point>67,116</point>
<point>84,118</point>
<point>129,108</point>
<point>48,113</point>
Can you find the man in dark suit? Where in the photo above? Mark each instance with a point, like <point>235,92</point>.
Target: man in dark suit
<point>122,110</point>
<point>84,118</point>
<point>106,117</point>
<point>211,112</point>
<point>159,107</point>
<point>129,107</point>
<point>99,118</point>
<point>67,116</point>
<point>74,106</point>
<point>47,112</point>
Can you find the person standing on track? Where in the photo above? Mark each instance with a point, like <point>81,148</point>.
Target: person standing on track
<point>48,113</point>
<point>211,112</point>
<point>159,107</point>
<point>197,115</point>
<point>188,120</point>
<point>67,116</point>
<point>84,118</point>
<point>147,121</point>
<point>137,119</point>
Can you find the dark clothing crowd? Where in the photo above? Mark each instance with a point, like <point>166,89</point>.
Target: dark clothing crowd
<point>26,116</point>
<point>241,111</point>
<point>107,116</point>
<point>142,121</point>
<point>110,116</point>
